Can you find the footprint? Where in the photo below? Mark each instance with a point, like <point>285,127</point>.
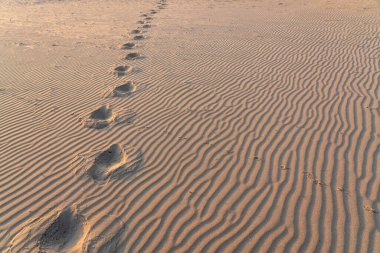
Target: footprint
<point>147,26</point>
<point>105,116</point>
<point>133,56</point>
<point>100,118</point>
<point>148,18</point>
<point>153,12</point>
<point>125,89</point>
<point>107,162</point>
<point>122,70</point>
<point>139,37</point>
<point>141,22</point>
<point>115,162</point>
<point>135,31</point>
<point>64,233</point>
<point>128,45</point>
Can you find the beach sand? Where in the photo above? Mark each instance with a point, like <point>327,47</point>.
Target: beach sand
<point>189,126</point>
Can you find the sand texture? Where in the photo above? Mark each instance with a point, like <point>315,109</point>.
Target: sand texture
<point>189,126</point>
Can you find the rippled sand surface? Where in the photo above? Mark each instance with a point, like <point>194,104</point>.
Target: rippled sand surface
<point>189,126</point>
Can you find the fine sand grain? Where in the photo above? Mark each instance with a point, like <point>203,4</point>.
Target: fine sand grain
<point>189,126</point>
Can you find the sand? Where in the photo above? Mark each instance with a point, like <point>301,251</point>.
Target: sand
<point>189,126</point>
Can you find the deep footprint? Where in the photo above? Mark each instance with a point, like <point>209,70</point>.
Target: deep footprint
<point>100,118</point>
<point>63,233</point>
<point>133,56</point>
<point>128,45</point>
<point>122,70</point>
<point>124,90</point>
<point>108,162</point>
<point>139,37</point>
<point>135,31</point>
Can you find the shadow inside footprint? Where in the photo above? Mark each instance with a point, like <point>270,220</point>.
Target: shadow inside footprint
<point>107,162</point>
<point>63,233</point>
<point>115,162</point>
<point>147,26</point>
<point>100,118</point>
<point>139,37</point>
<point>122,70</point>
<point>128,45</point>
<point>133,56</point>
<point>125,89</point>
<point>136,31</point>
<point>102,113</point>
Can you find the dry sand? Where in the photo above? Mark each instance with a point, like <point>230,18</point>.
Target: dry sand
<point>189,126</point>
